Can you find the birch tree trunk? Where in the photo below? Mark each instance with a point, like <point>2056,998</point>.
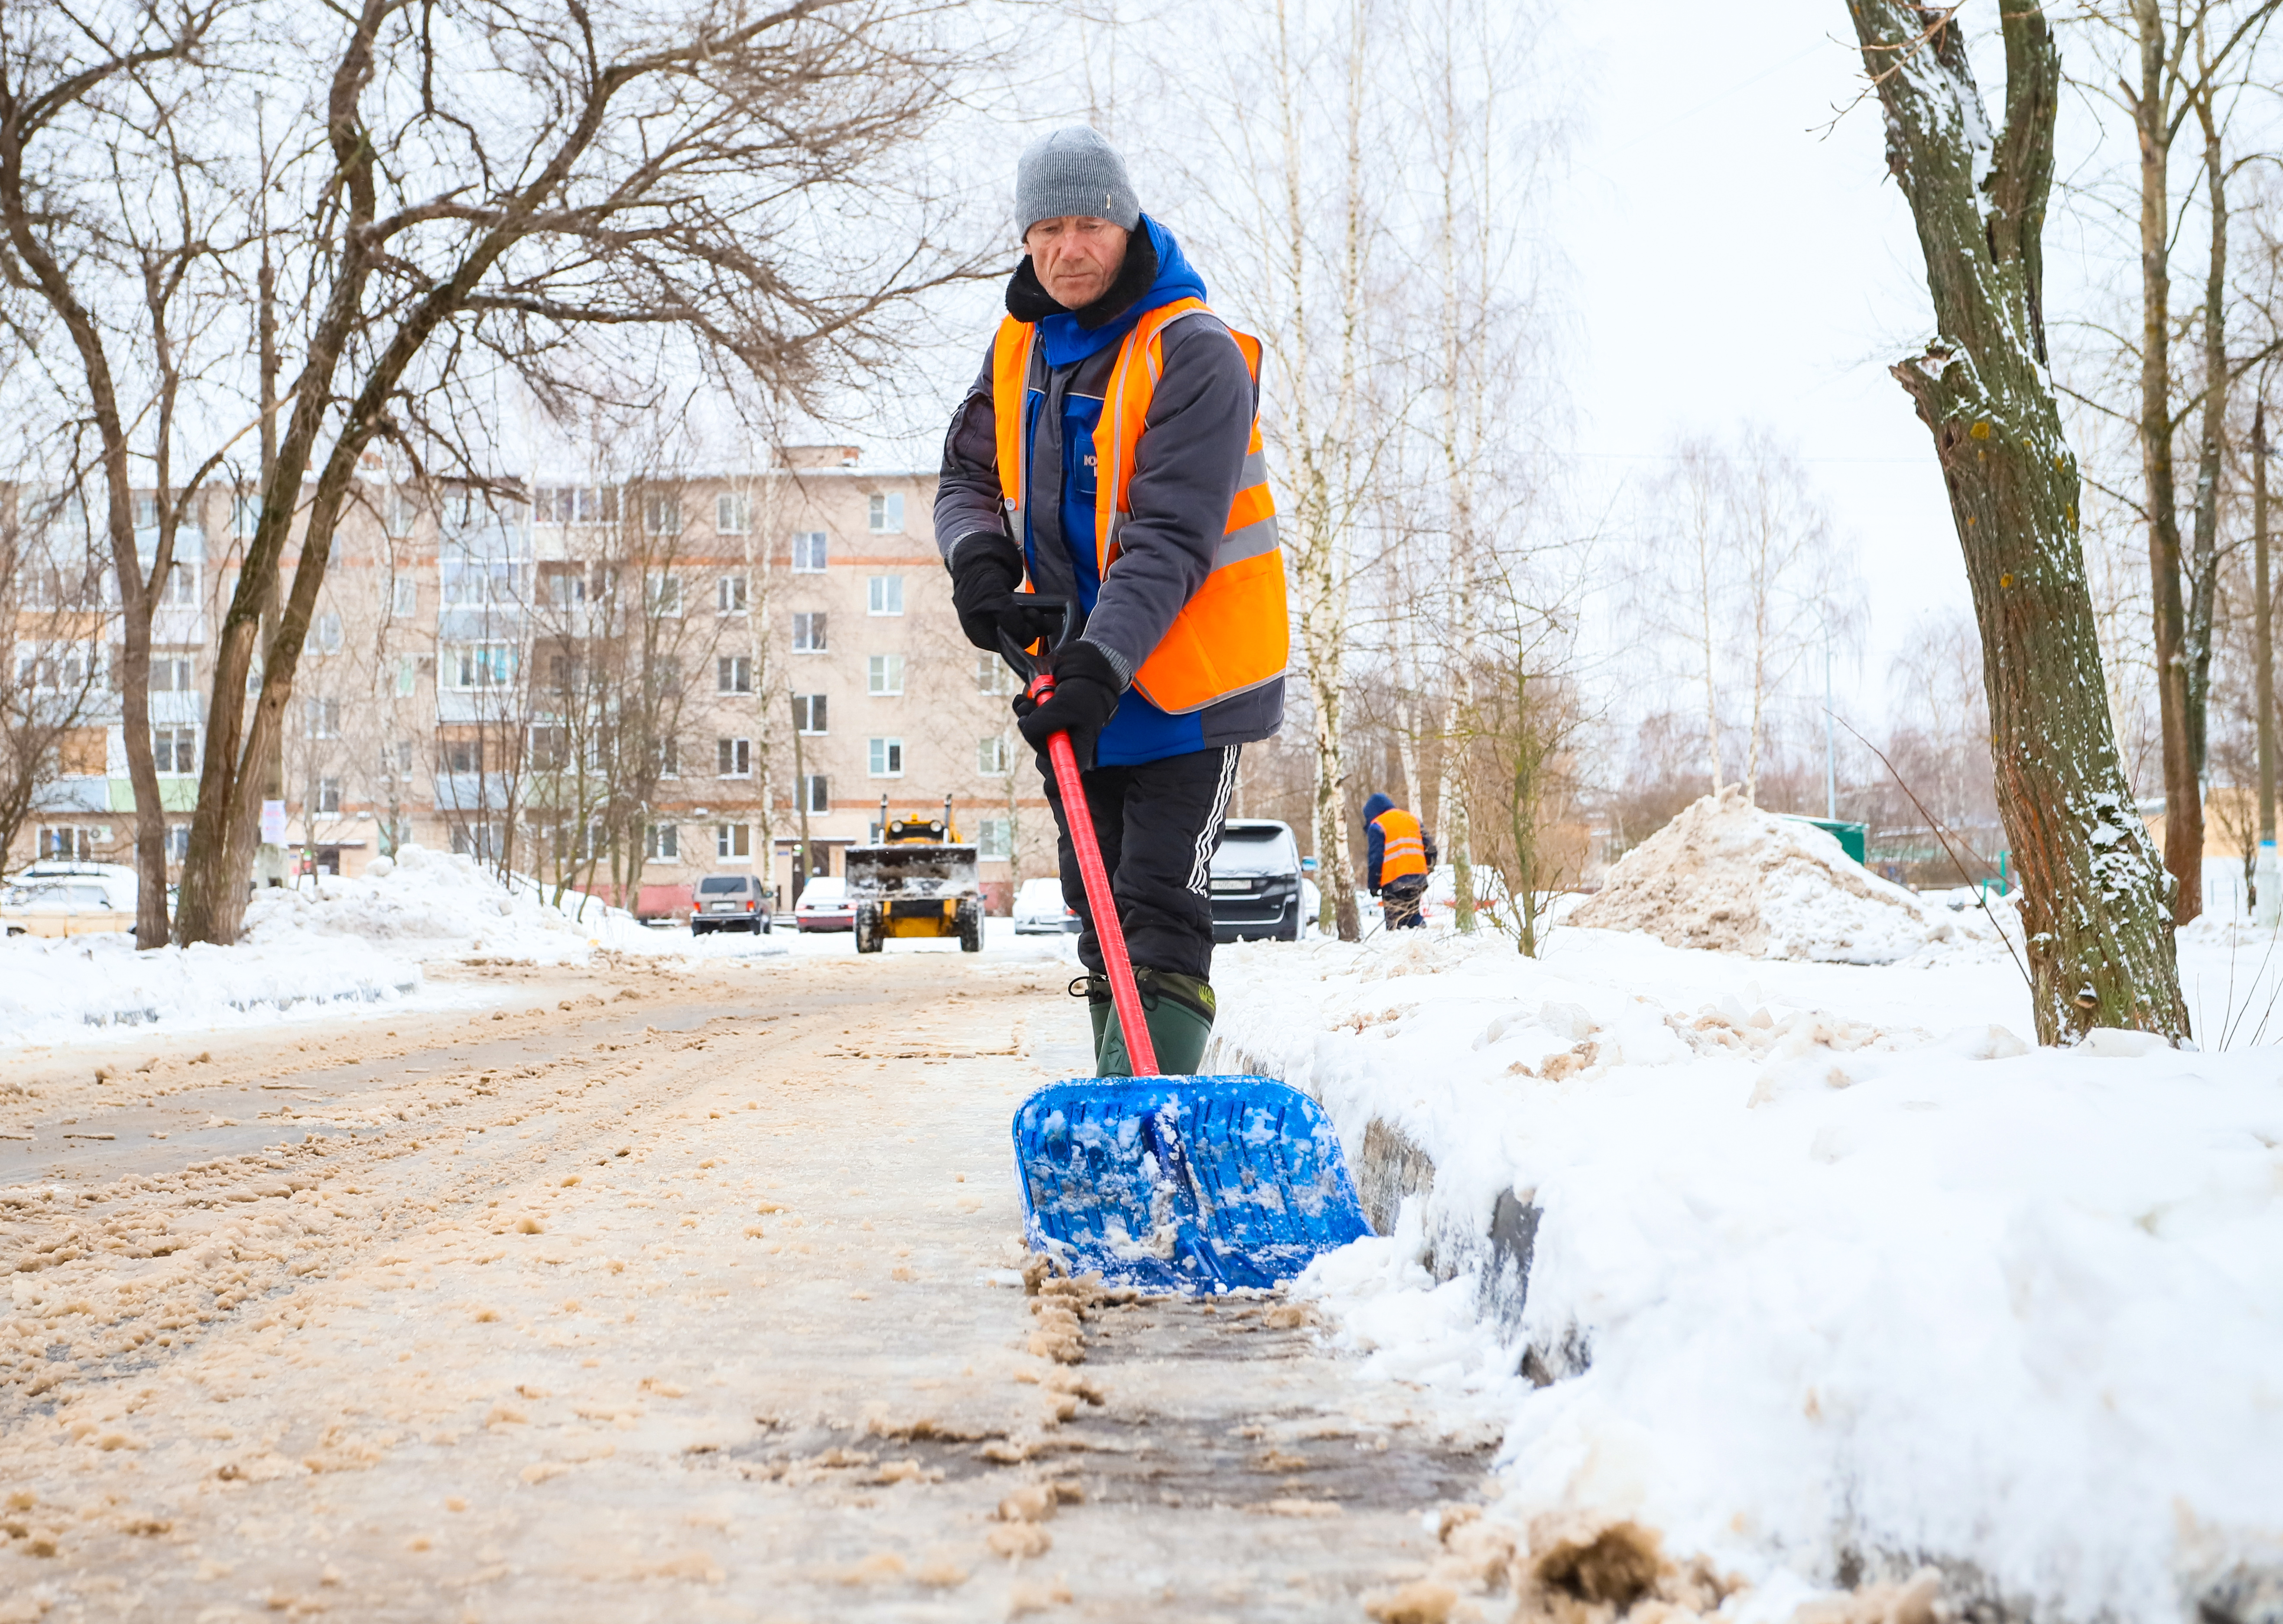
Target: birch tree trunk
<point>2098,935</point>
<point>2155,125</point>
<point>1325,456</point>
<point>2211,450</point>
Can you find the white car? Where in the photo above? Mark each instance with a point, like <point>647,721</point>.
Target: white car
<point>824,905</point>
<point>1040,909</point>
<point>59,898</point>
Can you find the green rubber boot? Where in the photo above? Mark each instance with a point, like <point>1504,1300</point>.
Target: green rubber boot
<point>1096,990</point>
<point>1179,1011</point>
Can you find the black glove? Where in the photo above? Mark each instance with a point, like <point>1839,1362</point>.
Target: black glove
<point>1086,686</point>
<point>985,570</point>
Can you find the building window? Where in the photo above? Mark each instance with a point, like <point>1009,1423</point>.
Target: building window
<point>329,797</point>
<point>147,512</point>
<point>733,840</point>
<point>819,790</point>
<point>667,753</point>
<point>58,667</point>
<point>401,750</point>
<point>884,674</point>
<point>464,756</point>
<point>469,583</point>
<point>325,718</point>
<point>809,550</point>
<point>245,514</point>
<point>404,595</point>
<point>808,713</point>
<point>481,665</point>
<point>173,674</point>
<point>808,631</point>
<point>996,840</point>
<point>733,674</point>
<point>408,675</point>
<point>575,504</point>
<point>730,594</point>
<point>325,635</point>
<point>177,751</point>
<point>662,513</point>
<point>665,594</point>
<point>70,844</point>
<point>398,511</point>
<point>732,514</point>
<point>991,756</point>
<point>664,843</point>
<point>885,595</point>
<point>993,675</point>
<point>480,841</point>
<point>887,757</point>
<point>735,758</point>
<point>562,586</point>
<point>178,843</point>
<point>181,587</point>
<point>887,515</point>
<point>549,750</point>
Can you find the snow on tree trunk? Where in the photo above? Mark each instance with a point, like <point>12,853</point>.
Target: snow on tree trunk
<point>2093,895</point>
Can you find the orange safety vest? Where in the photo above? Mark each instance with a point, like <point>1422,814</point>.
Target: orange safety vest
<point>1233,634</point>
<point>1404,848</point>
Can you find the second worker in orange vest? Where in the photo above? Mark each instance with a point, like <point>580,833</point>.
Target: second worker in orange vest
<point>1108,455</point>
<point>1399,854</point>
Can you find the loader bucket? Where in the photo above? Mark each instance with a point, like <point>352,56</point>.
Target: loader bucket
<point>1183,1184</point>
<point>910,873</point>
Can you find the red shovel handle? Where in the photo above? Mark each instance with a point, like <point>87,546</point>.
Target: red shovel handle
<point>1140,1052</point>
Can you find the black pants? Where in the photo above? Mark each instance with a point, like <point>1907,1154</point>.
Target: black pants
<point>1398,902</point>
<point>1158,825</point>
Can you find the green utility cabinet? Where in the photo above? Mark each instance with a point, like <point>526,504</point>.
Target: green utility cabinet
<point>1854,838</point>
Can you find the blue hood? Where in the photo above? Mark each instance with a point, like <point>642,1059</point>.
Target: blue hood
<point>1377,805</point>
<point>1066,341</point>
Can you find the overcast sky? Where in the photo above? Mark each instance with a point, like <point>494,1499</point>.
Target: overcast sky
<point>1737,257</point>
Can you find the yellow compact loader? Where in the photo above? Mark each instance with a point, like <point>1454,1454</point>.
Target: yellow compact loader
<point>918,881</point>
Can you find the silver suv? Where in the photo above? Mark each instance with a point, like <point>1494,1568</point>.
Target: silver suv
<point>730,902</point>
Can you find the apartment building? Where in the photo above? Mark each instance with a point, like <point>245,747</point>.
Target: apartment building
<point>718,666</point>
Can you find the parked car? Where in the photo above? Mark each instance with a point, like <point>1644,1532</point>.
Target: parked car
<point>824,905</point>
<point>1040,909</point>
<point>731,902</point>
<point>1256,883</point>
<point>664,904</point>
<point>59,898</point>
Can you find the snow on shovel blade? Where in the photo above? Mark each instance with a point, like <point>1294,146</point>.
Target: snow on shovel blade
<point>1182,1184</point>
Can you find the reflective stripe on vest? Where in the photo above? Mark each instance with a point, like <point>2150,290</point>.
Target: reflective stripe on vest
<point>1233,634</point>
<point>1405,848</point>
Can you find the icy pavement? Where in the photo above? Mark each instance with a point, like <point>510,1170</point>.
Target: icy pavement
<point>662,1290</point>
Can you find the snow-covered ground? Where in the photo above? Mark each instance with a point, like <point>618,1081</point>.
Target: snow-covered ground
<point>1830,1264</point>
<point>331,945</point>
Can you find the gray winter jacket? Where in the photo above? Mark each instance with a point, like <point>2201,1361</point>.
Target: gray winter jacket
<point>1187,469</point>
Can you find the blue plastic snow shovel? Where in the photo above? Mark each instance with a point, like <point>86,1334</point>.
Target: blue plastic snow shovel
<point>1169,1183</point>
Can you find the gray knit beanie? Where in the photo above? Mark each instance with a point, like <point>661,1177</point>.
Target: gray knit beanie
<point>1073,171</point>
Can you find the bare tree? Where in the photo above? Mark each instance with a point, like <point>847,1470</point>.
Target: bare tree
<point>2181,59</point>
<point>514,184</point>
<point>133,276</point>
<point>53,621</point>
<point>2099,934</point>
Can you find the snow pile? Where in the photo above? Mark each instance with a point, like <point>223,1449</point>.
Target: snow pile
<point>428,904</point>
<point>1728,876</point>
<point>329,941</point>
<point>1811,1290</point>
<point>56,991</point>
